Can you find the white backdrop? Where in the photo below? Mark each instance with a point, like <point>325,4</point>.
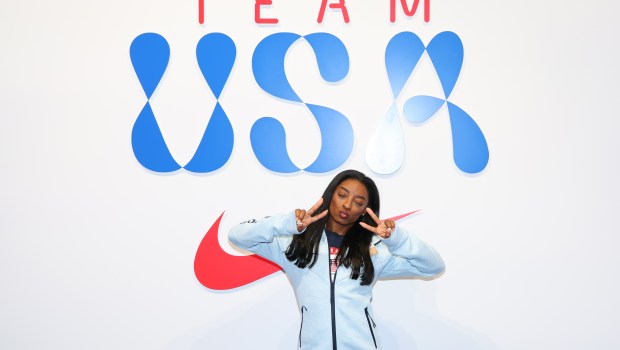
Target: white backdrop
<point>97,252</point>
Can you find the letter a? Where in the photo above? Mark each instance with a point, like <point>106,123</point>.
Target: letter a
<point>340,5</point>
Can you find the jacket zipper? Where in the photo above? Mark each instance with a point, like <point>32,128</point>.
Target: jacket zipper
<point>332,300</point>
<point>302,323</point>
<point>371,326</point>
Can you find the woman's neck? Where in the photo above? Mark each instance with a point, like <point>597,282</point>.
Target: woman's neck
<point>337,228</point>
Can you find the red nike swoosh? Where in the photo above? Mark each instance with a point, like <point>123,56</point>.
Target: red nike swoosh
<point>218,270</point>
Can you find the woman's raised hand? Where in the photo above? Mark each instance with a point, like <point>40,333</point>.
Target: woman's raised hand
<point>305,218</point>
<point>384,228</point>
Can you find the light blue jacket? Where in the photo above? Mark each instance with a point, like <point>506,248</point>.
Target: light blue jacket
<point>340,310</point>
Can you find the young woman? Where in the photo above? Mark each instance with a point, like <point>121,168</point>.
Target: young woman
<point>333,254</point>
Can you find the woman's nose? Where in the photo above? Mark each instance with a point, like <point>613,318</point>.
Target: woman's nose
<point>347,205</point>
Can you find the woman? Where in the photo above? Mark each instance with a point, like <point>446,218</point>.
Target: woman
<point>333,254</point>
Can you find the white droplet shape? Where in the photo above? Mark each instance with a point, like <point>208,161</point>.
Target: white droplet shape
<point>386,149</point>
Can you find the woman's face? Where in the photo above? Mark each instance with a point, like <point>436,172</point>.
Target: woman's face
<point>349,201</point>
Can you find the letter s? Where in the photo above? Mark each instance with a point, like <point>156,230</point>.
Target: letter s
<point>268,136</point>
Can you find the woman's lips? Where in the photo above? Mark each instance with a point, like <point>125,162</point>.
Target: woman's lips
<point>343,215</point>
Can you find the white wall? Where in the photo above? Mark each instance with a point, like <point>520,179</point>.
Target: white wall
<point>97,252</point>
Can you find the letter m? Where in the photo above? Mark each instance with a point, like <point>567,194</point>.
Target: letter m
<point>410,11</point>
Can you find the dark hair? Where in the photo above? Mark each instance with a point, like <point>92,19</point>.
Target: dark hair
<point>355,249</point>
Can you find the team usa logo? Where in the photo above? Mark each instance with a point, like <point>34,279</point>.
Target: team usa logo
<point>216,54</point>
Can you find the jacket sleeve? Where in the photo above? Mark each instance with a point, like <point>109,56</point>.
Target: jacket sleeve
<point>268,237</point>
<point>409,256</point>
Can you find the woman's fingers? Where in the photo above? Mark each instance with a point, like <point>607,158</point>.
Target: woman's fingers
<point>315,206</point>
<point>310,219</point>
<point>304,218</point>
<point>299,216</point>
<point>320,216</point>
<point>389,225</point>
<point>384,229</point>
<point>373,216</point>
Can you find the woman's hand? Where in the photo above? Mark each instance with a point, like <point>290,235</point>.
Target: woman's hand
<point>384,228</point>
<point>304,217</point>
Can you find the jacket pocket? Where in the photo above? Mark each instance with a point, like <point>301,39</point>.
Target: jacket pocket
<point>371,326</point>
<point>303,308</point>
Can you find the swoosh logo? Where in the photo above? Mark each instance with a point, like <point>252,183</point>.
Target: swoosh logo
<point>216,269</point>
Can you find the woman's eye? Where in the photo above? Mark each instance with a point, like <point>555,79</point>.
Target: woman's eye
<point>359,204</point>
<point>342,195</point>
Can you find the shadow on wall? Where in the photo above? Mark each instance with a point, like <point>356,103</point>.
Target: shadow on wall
<point>243,333</point>
<point>406,315</point>
<point>268,320</point>
<point>415,322</point>
<point>427,333</point>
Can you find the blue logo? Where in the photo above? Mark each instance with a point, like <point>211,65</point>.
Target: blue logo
<point>385,155</point>
<point>216,54</point>
<point>268,136</point>
<point>150,54</point>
